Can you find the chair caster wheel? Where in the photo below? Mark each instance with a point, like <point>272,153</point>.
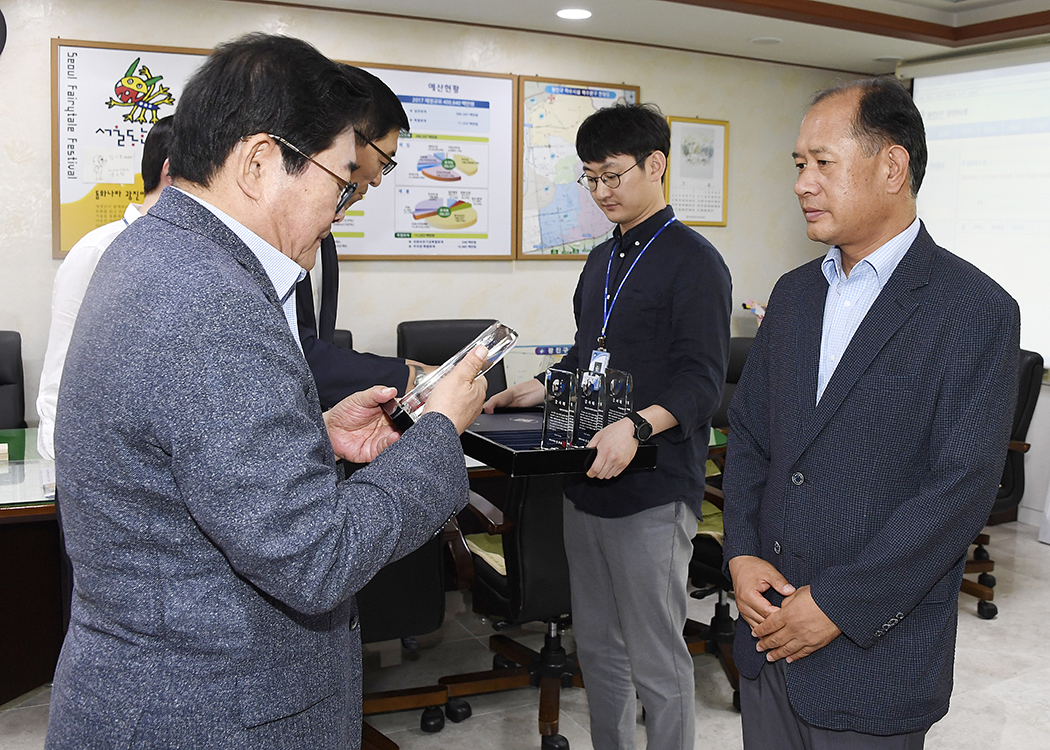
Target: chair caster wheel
<point>432,720</point>
<point>986,610</point>
<point>980,554</point>
<point>736,699</point>
<point>553,742</point>
<point>986,579</point>
<point>457,710</point>
<point>499,661</point>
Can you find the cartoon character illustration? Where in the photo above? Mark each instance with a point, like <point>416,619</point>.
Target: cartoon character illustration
<point>137,92</point>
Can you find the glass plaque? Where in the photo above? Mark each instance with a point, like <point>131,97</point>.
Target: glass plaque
<point>590,406</point>
<point>559,408</point>
<point>497,338</point>
<point>619,395</point>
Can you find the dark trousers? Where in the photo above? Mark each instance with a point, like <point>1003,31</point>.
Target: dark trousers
<point>770,723</point>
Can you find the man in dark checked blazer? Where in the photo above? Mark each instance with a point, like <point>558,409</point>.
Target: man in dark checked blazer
<point>867,438</point>
<point>216,547</point>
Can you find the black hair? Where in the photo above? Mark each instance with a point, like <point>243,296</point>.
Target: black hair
<point>261,84</point>
<point>886,115</point>
<point>636,130</point>
<point>385,112</point>
<point>155,151</point>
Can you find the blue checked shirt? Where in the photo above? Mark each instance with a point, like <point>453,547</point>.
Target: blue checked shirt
<point>850,297</point>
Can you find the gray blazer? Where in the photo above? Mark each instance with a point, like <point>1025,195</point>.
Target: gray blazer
<point>873,495</point>
<point>215,548</point>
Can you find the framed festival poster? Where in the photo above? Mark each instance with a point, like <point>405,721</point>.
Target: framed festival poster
<point>106,98</point>
<point>557,218</point>
<point>698,171</point>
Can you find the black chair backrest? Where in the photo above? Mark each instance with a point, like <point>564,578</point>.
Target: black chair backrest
<point>12,382</point>
<point>434,341</point>
<point>1029,381</point>
<point>739,348</point>
<point>537,571</point>
<point>343,338</point>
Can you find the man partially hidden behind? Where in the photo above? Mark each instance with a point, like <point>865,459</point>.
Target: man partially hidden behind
<point>654,301</point>
<point>73,276</point>
<point>216,547</point>
<point>867,438</point>
<point>339,371</point>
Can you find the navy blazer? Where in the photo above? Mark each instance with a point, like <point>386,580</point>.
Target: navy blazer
<point>872,496</point>
<point>215,550</point>
<point>338,371</point>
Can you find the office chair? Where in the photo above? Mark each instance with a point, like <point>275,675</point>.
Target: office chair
<point>534,588</point>
<point>406,598</point>
<point>434,341</point>
<point>1011,487</point>
<point>705,566</point>
<point>705,573</point>
<point>12,382</point>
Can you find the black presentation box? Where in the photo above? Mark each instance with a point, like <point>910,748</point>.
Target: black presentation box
<point>510,442</point>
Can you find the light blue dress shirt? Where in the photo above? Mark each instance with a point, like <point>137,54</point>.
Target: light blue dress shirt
<point>283,272</point>
<point>850,297</point>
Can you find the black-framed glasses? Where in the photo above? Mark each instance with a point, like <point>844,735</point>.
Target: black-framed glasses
<point>389,164</point>
<point>348,188</point>
<point>611,179</point>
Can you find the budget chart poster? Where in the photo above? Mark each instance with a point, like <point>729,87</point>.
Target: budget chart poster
<point>452,193</point>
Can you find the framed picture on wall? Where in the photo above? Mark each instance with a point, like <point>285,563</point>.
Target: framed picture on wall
<point>453,196</point>
<point>698,170</point>
<point>106,98</point>
<point>557,218</point>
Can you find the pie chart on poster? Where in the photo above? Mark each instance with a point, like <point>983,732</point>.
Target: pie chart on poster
<point>446,214</point>
<point>446,168</point>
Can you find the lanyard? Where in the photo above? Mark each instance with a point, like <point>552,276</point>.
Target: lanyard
<point>607,306</point>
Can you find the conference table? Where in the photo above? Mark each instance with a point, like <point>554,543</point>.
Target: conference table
<point>30,579</point>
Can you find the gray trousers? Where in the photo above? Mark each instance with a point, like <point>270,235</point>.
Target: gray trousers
<point>628,580</point>
<point>770,723</point>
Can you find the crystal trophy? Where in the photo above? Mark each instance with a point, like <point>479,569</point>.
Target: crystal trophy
<point>497,338</point>
<point>619,395</point>
<point>559,408</point>
<point>590,406</point>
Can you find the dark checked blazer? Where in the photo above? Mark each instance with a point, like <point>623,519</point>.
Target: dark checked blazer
<point>872,496</point>
<point>215,550</point>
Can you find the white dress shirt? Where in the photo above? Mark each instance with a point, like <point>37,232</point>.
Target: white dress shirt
<point>71,282</point>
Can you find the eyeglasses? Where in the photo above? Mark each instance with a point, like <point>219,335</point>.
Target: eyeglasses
<point>348,188</point>
<point>611,179</point>
<point>389,164</point>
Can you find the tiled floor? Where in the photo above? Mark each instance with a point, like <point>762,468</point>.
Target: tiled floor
<point>1001,699</point>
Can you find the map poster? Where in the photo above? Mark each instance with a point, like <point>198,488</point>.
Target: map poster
<point>698,171</point>
<point>558,217</point>
<point>452,193</point>
<point>106,99</point>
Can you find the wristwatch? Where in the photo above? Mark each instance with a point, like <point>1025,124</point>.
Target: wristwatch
<point>642,429</point>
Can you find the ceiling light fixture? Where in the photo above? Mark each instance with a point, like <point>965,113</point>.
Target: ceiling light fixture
<point>766,40</point>
<point>574,14</point>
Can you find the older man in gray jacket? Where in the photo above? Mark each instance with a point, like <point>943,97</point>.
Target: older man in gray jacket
<point>216,548</point>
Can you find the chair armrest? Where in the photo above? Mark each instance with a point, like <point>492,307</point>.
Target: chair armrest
<point>714,496</point>
<point>461,571</point>
<point>1017,445</point>
<point>488,514</point>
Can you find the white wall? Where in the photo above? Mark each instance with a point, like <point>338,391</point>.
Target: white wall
<point>763,103</point>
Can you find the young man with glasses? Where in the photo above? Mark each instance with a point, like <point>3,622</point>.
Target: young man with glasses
<point>337,370</point>
<point>216,545</point>
<point>654,301</point>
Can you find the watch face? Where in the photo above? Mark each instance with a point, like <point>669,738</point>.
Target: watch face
<point>644,431</point>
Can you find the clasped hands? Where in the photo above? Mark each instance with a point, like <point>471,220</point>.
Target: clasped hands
<point>360,430</point>
<point>796,628</point>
